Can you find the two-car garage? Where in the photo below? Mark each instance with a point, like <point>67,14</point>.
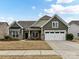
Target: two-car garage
<point>55,34</point>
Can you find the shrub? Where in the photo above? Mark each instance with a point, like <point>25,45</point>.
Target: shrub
<point>7,37</point>
<point>69,37</point>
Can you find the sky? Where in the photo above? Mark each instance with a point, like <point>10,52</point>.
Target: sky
<point>32,10</point>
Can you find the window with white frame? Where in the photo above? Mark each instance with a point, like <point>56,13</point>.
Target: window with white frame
<point>35,34</point>
<point>14,34</point>
<point>55,24</point>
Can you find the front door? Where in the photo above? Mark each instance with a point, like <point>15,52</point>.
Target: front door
<point>26,35</point>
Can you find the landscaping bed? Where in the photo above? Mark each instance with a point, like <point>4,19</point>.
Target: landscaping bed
<point>24,45</point>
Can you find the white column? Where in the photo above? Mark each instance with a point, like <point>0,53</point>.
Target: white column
<point>29,34</point>
<point>22,34</point>
<point>42,34</point>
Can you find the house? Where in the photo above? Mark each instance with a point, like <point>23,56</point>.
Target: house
<point>74,28</point>
<point>46,28</point>
<point>4,29</point>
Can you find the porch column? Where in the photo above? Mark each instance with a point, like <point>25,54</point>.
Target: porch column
<point>42,34</point>
<point>29,34</point>
<point>22,34</point>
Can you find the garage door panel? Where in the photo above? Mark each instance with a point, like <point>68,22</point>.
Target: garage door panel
<point>55,35</point>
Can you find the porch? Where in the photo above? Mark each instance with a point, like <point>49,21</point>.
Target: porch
<point>32,34</point>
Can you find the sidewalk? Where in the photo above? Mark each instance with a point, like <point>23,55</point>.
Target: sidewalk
<point>28,52</point>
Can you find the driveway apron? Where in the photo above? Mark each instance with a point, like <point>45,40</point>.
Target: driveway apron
<point>67,49</point>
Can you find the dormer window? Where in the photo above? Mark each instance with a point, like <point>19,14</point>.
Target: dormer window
<point>55,24</point>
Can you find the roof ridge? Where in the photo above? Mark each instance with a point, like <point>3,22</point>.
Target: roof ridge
<point>74,22</point>
<point>41,18</point>
<point>24,21</point>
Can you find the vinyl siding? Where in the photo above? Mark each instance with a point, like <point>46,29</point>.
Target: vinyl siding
<point>4,30</point>
<point>48,26</point>
<point>74,29</point>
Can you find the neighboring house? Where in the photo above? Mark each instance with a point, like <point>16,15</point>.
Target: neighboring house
<point>46,28</point>
<point>74,28</point>
<point>4,29</point>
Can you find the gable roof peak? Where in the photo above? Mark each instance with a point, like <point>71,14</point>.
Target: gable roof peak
<point>58,18</point>
<point>56,15</point>
<point>26,24</point>
<point>15,24</point>
<point>45,17</point>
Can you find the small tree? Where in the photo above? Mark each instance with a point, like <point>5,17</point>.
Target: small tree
<point>69,37</point>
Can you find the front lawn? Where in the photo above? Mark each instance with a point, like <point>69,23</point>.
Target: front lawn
<point>31,57</point>
<point>24,45</point>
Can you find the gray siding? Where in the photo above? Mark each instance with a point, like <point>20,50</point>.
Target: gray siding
<point>4,29</point>
<point>20,36</point>
<point>16,27</point>
<point>62,26</point>
<point>48,26</point>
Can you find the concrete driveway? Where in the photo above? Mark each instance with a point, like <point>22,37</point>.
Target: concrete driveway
<point>67,49</point>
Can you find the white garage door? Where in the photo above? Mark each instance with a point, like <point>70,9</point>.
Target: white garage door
<point>55,34</point>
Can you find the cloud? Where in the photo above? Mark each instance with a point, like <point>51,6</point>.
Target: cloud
<point>40,14</point>
<point>48,0</point>
<point>7,19</point>
<point>64,1</point>
<point>74,9</point>
<point>33,7</point>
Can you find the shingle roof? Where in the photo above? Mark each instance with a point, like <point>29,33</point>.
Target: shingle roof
<point>74,22</point>
<point>26,24</point>
<point>45,17</point>
<point>41,21</point>
<point>3,23</point>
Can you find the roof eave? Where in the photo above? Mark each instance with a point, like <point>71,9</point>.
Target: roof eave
<point>58,18</point>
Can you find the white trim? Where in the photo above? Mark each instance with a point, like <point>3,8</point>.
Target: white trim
<point>19,24</point>
<point>15,33</point>
<point>58,18</point>
<point>54,31</point>
<point>47,22</point>
<point>62,20</point>
<point>34,23</point>
<point>16,23</point>
<point>55,24</point>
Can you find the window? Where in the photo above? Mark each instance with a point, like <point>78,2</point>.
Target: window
<point>14,33</point>
<point>35,34</point>
<point>51,32</point>
<point>56,32</point>
<point>62,32</point>
<point>77,34</point>
<point>46,32</point>
<point>55,24</point>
